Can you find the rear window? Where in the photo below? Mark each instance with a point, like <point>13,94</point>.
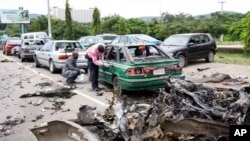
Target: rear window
<point>147,51</point>
<point>108,37</point>
<point>68,45</point>
<point>14,41</point>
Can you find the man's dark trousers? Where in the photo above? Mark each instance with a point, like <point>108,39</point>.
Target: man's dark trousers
<point>94,72</point>
<point>72,75</point>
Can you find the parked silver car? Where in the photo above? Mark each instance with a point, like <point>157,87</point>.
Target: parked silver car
<point>55,52</point>
<point>28,47</point>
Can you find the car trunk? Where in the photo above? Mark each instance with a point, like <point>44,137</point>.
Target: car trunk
<point>8,47</point>
<point>159,67</point>
<point>66,53</point>
<point>30,48</point>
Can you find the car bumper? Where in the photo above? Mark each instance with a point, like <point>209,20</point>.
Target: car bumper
<point>143,84</point>
<point>81,65</point>
<point>28,55</point>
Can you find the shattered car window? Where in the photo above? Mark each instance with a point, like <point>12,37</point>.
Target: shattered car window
<point>143,53</point>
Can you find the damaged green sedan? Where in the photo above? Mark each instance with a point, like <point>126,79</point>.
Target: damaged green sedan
<point>138,67</point>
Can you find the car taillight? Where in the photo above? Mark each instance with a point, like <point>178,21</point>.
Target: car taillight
<point>26,51</point>
<point>175,68</point>
<point>62,57</point>
<point>138,71</point>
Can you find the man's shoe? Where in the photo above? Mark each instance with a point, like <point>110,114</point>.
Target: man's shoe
<point>97,89</point>
<point>101,88</point>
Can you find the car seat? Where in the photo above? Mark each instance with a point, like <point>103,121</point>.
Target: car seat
<point>138,52</point>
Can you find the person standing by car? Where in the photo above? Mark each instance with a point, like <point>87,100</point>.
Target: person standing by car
<point>95,56</point>
<point>70,70</point>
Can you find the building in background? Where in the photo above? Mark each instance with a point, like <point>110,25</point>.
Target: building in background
<point>79,15</point>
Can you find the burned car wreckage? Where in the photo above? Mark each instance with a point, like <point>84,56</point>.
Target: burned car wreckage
<point>188,112</point>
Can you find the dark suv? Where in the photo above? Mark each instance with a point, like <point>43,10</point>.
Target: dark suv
<point>190,46</point>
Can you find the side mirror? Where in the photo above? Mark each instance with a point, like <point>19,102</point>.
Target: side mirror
<point>190,44</point>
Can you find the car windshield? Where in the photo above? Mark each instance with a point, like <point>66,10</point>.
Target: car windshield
<point>176,40</point>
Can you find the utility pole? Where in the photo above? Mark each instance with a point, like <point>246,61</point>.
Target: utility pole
<point>222,2</point>
<point>49,24</point>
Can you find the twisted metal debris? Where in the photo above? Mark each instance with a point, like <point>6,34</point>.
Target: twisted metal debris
<point>188,112</point>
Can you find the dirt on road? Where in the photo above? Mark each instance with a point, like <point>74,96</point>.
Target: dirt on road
<point>198,70</point>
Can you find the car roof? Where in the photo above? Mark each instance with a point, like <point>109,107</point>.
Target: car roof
<point>135,44</point>
<point>65,41</point>
<point>190,34</point>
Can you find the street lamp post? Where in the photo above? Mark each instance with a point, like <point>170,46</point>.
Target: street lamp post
<point>49,24</point>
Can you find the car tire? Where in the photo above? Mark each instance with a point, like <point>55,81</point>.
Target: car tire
<point>182,60</point>
<point>210,57</point>
<point>22,59</point>
<point>86,70</point>
<point>52,67</point>
<point>117,87</point>
<point>37,64</point>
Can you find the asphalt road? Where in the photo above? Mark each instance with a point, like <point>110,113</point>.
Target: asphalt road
<point>18,78</point>
<point>21,78</point>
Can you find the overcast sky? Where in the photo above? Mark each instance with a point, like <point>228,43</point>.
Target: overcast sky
<point>133,8</point>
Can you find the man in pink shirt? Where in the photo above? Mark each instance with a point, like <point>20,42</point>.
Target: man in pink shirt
<point>95,59</point>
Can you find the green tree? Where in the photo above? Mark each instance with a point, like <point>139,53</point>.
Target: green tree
<point>13,30</point>
<point>154,27</point>
<point>96,21</point>
<point>68,34</point>
<point>110,24</point>
<point>246,36</point>
<point>122,29</point>
<point>2,26</point>
<point>136,26</point>
<point>38,24</point>
<point>82,29</point>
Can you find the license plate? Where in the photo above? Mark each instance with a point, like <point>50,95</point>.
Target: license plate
<point>159,71</point>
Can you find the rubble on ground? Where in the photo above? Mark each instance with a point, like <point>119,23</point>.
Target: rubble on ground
<point>187,112</point>
<point>47,90</point>
<point>8,124</point>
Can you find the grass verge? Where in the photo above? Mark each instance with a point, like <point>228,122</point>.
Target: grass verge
<point>232,58</point>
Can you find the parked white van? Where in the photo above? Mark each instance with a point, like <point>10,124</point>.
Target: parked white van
<point>34,35</point>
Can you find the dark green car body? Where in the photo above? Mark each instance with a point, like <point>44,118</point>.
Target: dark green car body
<point>131,70</point>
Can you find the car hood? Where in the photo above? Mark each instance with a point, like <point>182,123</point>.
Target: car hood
<point>171,49</point>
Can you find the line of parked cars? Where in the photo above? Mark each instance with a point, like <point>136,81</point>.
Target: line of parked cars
<point>138,61</point>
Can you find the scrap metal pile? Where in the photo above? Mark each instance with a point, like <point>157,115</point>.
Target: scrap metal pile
<point>188,112</point>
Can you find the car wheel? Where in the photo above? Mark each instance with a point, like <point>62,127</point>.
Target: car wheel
<point>36,62</point>
<point>182,60</point>
<point>52,67</point>
<point>21,58</point>
<point>210,57</point>
<point>117,87</point>
<point>86,70</point>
